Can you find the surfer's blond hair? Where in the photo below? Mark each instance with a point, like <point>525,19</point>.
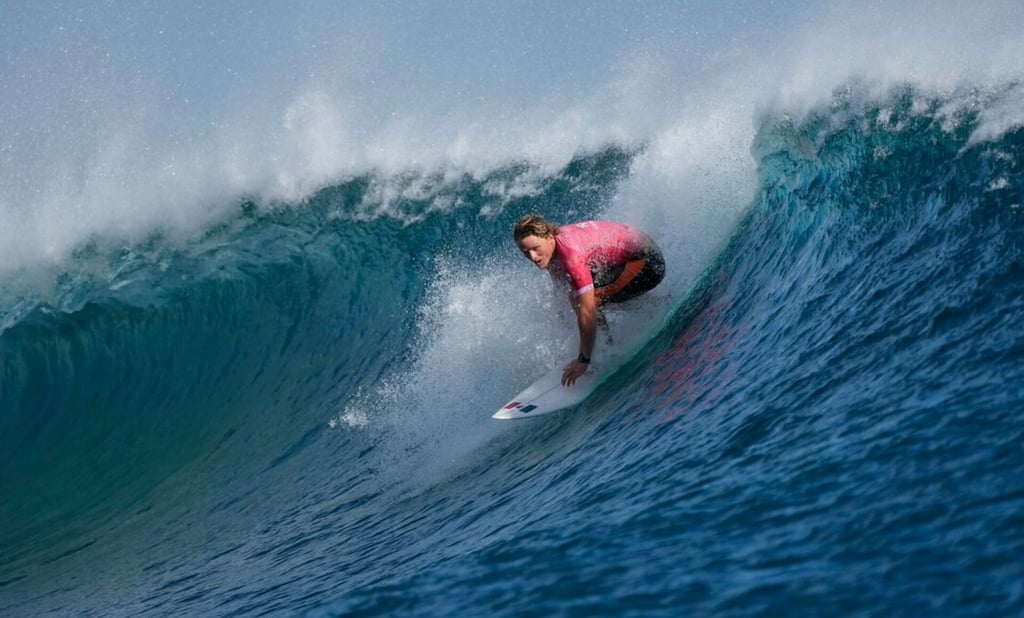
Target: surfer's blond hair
<point>534,225</point>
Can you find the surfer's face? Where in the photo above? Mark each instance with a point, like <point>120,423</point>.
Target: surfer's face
<point>538,249</point>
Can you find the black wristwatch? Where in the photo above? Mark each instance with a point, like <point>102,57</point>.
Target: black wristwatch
<point>583,359</point>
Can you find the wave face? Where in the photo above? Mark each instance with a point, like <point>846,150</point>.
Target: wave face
<point>290,413</point>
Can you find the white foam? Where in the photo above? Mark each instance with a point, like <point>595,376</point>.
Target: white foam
<point>126,121</point>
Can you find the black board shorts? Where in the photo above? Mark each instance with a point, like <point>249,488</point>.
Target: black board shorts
<point>621,282</point>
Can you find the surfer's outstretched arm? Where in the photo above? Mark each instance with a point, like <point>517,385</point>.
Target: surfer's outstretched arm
<point>586,319</point>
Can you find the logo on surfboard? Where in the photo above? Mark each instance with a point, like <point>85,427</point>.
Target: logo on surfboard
<point>515,405</point>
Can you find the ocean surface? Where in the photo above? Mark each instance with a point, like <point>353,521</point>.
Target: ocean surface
<point>277,402</point>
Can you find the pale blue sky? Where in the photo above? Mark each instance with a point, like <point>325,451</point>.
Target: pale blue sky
<point>71,64</point>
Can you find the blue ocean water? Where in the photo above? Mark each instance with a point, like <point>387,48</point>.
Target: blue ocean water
<point>289,414</point>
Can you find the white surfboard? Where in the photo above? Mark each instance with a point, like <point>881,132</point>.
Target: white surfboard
<point>547,395</point>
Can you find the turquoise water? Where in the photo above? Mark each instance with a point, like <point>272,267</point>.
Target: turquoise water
<point>289,414</point>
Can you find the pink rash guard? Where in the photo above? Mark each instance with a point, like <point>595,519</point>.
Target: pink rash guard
<point>581,248</point>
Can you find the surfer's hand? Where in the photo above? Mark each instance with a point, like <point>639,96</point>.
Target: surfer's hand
<point>572,371</point>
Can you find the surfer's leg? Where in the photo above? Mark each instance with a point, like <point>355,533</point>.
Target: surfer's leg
<point>602,323</point>
<point>634,278</point>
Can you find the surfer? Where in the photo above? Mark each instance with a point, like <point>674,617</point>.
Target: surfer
<point>603,262</point>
